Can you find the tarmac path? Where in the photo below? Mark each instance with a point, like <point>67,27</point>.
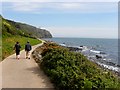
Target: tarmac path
<point>23,73</point>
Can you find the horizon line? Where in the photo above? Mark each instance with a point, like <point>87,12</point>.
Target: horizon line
<point>86,37</point>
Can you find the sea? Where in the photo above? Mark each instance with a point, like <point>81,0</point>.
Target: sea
<point>106,49</point>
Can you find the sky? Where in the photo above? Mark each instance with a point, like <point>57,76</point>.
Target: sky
<point>67,19</point>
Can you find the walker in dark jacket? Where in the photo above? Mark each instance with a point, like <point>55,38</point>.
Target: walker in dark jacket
<point>17,49</point>
<point>28,49</point>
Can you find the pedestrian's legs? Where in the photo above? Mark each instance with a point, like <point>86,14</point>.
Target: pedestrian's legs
<point>17,54</point>
<point>18,57</point>
<point>26,54</point>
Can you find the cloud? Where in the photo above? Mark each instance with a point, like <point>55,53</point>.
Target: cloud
<point>94,7</point>
<point>60,1</point>
<point>29,1</point>
<point>26,6</point>
<point>62,7</point>
<point>70,5</point>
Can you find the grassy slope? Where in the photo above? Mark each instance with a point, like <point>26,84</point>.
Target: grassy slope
<point>0,48</point>
<point>8,44</point>
<point>10,35</point>
<point>0,38</point>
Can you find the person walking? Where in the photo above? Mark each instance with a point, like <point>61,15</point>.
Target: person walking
<point>17,50</point>
<point>28,48</point>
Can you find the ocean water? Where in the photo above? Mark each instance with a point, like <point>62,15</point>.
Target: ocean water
<point>108,46</point>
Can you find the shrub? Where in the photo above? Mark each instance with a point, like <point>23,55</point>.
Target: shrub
<point>71,71</point>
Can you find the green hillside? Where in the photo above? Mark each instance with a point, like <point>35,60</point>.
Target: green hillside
<point>0,38</point>
<point>14,31</point>
<point>15,28</point>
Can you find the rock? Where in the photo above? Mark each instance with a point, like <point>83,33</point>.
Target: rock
<point>97,56</point>
<point>74,48</point>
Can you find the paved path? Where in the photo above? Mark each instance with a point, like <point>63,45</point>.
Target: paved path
<point>23,73</point>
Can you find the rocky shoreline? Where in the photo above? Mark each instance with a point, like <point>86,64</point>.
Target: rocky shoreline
<point>38,58</point>
<point>103,64</point>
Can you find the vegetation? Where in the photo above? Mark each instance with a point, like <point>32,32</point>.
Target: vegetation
<point>10,27</point>
<point>72,71</point>
<point>0,48</point>
<point>0,38</point>
<point>9,42</point>
<point>11,33</point>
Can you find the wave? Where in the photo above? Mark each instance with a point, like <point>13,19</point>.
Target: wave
<point>97,56</point>
<point>117,69</point>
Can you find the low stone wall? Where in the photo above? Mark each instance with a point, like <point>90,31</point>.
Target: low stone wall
<point>37,56</point>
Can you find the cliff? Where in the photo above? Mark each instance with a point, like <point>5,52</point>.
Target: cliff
<point>16,28</point>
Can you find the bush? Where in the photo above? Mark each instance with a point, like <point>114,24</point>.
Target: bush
<point>71,71</point>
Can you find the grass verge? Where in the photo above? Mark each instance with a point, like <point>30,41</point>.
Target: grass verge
<point>0,48</point>
<point>9,42</point>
